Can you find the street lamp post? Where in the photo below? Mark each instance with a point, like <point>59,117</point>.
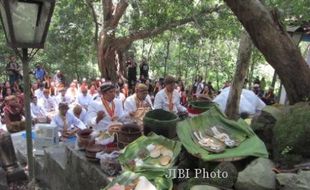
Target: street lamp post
<point>25,24</point>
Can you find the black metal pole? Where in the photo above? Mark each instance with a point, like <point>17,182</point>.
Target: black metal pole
<point>25,60</point>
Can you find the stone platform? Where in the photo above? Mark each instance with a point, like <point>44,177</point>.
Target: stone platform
<point>63,167</point>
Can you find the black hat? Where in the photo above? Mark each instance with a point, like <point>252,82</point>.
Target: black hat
<point>106,87</point>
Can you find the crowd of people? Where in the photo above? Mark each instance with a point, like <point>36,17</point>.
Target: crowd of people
<point>88,103</point>
<point>98,102</point>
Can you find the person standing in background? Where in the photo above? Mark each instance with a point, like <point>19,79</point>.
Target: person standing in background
<point>13,70</point>
<point>144,70</point>
<point>132,74</point>
<point>39,73</point>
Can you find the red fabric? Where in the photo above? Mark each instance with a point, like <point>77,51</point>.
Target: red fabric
<point>194,110</point>
<point>111,145</point>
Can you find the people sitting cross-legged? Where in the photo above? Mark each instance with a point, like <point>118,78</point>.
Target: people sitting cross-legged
<point>39,93</point>
<point>168,98</point>
<point>13,114</point>
<point>101,113</point>
<point>68,125</point>
<point>72,91</point>
<point>84,98</point>
<point>79,112</point>
<point>63,97</point>
<point>38,114</point>
<point>48,103</point>
<point>140,100</point>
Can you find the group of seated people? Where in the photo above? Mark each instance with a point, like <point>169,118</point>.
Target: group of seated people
<point>73,112</point>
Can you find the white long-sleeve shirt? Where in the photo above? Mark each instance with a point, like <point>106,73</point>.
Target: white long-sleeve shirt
<point>66,99</point>
<point>47,103</point>
<point>96,106</point>
<point>161,101</point>
<point>72,93</point>
<point>37,111</point>
<point>249,102</point>
<point>39,93</point>
<point>84,101</point>
<point>72,122</point>
<point>130,104</point>
<point>82,115</point>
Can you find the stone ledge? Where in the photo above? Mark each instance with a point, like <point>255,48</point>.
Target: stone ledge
<point>63,167</point>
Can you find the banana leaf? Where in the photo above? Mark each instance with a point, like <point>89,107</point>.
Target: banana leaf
<point>150,165</point>
<point>127,177</point>
<point>250,144</point>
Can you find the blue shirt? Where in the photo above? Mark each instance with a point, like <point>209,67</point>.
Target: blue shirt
<point>39,74</point>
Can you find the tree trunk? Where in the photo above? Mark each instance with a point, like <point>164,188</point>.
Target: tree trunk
<point>143,46</point>
<point>166,57</point>
<point>274,80</point>
<point>179,66</point>
<point>218,81</point>
<point>109,47</point>
<point>198,61</point>
<point>150,50</point>
<point>208,61</point>
<point>250,78</point>
<point>106,55</point>
<point>243,63</point>
<point>278,48</point>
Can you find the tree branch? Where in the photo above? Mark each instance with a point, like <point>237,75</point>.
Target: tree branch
<point>95,20</point>
<point>155,31</point>
<point>107,11</point>
<point>119,11</point>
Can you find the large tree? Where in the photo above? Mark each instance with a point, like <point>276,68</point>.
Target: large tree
<point>243,63</point>
<point>271,38</point>
<point>159,15</point>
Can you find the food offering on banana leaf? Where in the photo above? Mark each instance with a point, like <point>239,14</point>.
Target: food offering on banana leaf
<point>156,154</point>
<point>209,143</point>
<point>211,136</point>
<point>152,152</point>
<point>137,181</point>
<point>219,133</point>
<point>214,139</point>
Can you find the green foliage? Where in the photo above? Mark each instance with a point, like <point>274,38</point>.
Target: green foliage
<point>291,135</point>
<point>292,12</point>
<point>150,14</point>
<point>208,46</point>
<point>5,52</point>
<point>69,45</point>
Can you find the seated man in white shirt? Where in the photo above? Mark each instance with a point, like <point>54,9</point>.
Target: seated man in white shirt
<point>63,97</point>
<point>119,95</point>
<point>84,98</point>
<point>139,100</point>
<point>101,113</point>
<point>79,112</point>
<point>168,98</point>
<point>68,125</point>
<point>39,92</point>
<point>37,113</point>
<point>72,91</point>
<point>47,103</point>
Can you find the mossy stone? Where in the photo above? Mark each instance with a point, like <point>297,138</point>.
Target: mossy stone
<point>291,135</point>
